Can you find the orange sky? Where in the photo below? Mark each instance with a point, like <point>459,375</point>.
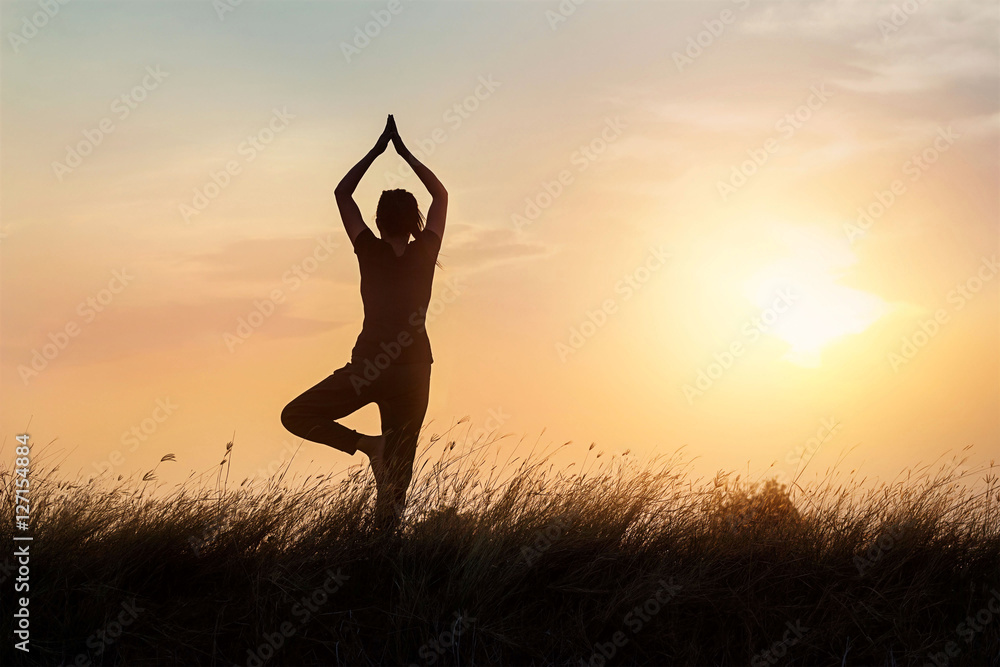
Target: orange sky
<point>726,226</point>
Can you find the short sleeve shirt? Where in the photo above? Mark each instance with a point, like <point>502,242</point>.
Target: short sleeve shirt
<point>395,292</point>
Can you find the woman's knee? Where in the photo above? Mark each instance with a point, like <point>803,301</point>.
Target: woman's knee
<point>292,416</point>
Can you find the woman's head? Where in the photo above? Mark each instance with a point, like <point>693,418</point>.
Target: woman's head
<point>398,214</point>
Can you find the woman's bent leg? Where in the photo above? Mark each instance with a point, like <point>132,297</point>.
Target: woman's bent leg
<point>311,415</point>
<point>402,402</point>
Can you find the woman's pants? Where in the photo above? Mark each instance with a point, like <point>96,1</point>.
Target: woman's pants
<point>400,392</point>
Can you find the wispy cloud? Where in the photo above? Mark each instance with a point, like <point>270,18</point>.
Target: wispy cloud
<point>472,248</point>
<point>934,46</point>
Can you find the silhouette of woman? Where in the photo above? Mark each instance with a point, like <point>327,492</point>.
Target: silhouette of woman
<point>391,362</point>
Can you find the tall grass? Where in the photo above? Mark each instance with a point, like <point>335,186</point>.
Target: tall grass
<point>513,562</point>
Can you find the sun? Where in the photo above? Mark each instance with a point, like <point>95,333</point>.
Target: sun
<point>823,310</point>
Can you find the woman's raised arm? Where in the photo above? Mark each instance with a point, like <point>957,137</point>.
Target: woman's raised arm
<point>354,223</point>
<point>438,210</point>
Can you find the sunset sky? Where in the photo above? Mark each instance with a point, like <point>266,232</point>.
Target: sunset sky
<point>726,226</point>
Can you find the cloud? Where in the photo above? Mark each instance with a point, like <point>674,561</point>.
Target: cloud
<point>253,267</point>
<point>469,248</point>
<point>266,260</point>
<point>900,47</point>
<point>262,261</point>
<point>123,331</point>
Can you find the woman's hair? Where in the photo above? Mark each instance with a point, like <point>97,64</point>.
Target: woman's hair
<point>398,214</point>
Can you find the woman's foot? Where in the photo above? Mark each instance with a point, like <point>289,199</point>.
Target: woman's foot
<point>374,447</point>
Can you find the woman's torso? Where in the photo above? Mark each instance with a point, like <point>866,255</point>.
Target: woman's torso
<point>395,291</point>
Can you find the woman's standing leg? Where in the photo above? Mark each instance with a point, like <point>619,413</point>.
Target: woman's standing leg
<point>311,415</point>
<point>402,401</point>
